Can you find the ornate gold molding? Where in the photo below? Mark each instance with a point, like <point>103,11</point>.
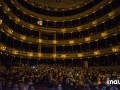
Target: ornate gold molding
<point>88,39</point>
<point>38,55</point>
<point>56,19</point>
<point>74,29</point>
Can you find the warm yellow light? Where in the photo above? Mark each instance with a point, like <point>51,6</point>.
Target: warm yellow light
<point>104,34</point>
<point>101,7</point>
<point>63,30</point>
<point>78,6</point>
<point>10,17</point>
<point>23,26</point>
<point>18,8</point>
<point>54,55</point>
<point>32,3</point>
<point>10,31</point>
<point>54,42</point>
<point>96,52</point>
<point>115,49</point>
<point>4,11</point>
<point>93,12</point>
<point>39,40</point>
<point>3,48</point>
<point>103,21</point>
<point>24,12</point>
<point>96,40</point>
<point>87,39</point>
<point>79,28</point>
<point>71,41</point>
<point>17,20</point>
<point>80,55</point>
<point>31,15</point>
<point>8,9</point>
<point>0,21</point>
<point>94,23</point>
<point>31,26</point>
<point>115,34</point>
<point>111,14</point>
<point>30,54</point>
<point>39,54</point>
<point>15,52</point>
<point>110,1</point>
<point>63,56</point>
<point>23,37</point>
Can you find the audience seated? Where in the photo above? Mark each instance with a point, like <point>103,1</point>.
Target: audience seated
<point>46,77</point>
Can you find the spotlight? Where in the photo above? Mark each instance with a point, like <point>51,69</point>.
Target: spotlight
<point>40,23</point>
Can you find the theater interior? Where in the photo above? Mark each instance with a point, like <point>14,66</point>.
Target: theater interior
<point>59,44</point>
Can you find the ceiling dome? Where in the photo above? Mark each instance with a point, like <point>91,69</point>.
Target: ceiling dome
<point>58,4</point>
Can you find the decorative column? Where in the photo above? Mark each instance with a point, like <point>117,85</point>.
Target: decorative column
<point>39,44</point>
<point>54,47</point>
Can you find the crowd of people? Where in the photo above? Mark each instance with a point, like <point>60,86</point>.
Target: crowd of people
<point>48,77</point>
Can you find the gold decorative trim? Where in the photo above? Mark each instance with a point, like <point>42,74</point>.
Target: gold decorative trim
<point>68,18</point>
<point>75,29</point>
<point>39,55</point>
<point>100,35</point>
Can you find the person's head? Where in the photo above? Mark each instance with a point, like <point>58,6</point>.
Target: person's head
<point>15,87</point>
<point>59,87</point>
<point>21,84</point>
<point>67,81</point>
<point>31,87</point>
<point>60,79</point>
<point>9,84</point>
<point>104,88</point>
